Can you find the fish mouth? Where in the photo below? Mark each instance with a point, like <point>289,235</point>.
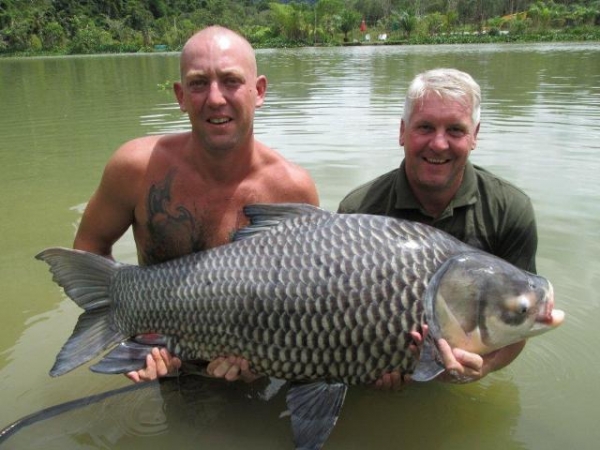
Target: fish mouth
<point>549,317</point>
<point>546,322</point>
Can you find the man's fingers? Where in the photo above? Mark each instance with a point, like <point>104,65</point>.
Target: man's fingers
<point>448,358</point>
<point>461,366</point>
<point>232,368</point>
<point>391,381</point>
<point>210,369</point>
<point>220,367</point>
<point>158,367</point>
<point>233,372</point>
<point>133,376</point>
<point>470,361</point>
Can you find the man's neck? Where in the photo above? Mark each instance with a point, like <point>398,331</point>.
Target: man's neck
<point>435,202</point>
<point>224,167</point>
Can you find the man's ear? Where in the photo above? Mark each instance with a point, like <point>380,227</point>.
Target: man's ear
<point>401,137</point>
<point>475,136</point>
<point>178,90</point>
<point>261,90</point>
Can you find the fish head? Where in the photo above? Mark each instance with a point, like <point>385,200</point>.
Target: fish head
<point>481,303</point>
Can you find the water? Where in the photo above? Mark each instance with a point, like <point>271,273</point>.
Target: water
<point>335,112</point>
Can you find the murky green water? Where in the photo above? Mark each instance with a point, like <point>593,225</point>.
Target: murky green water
<point>336,112</point>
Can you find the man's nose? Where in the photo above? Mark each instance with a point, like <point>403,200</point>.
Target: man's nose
<point>215,94</point>
<point>439,141</point>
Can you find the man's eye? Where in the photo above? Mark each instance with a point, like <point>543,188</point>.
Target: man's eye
<point>232,82</point>
<point>197,83</point>
<point>456,132</point>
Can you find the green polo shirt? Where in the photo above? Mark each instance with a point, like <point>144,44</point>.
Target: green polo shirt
<point>487,212</point>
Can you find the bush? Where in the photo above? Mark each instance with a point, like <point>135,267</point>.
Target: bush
<point>89,39</point>
<point>35,43</point>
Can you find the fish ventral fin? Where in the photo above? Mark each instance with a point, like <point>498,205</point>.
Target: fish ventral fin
<point>85,278</point>
<point>264,216</point>
<point>314,409</point>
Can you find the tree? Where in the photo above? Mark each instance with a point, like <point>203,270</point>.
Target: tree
<point>291,21</point>
<point>53,36</point>
<point>349,21</point>
<point>434,23</point>
<point>408,23</point>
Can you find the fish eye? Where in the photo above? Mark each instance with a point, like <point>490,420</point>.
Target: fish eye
<point>517,309</point>
<point>520,305</point>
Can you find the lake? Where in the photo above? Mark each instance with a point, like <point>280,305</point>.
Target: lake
<point>335,111</point>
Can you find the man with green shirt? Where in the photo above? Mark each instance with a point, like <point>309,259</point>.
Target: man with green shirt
<point>437,185</point>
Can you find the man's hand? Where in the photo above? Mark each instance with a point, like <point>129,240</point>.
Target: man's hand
<point>232,368</point>
<point>461,366</point>
<point>159,363</point>
<point>394,381</point>
<point>466,367</point>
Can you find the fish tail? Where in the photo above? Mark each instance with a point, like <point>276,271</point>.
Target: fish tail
<point>85,278</point>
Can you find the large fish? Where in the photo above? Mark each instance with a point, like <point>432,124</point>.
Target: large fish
<point>320,299</point>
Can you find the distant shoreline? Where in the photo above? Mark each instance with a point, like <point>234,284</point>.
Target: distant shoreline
<point>558,37</point>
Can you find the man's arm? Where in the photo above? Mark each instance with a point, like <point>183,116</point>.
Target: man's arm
<point>110,210</point>
<point>107,216</point>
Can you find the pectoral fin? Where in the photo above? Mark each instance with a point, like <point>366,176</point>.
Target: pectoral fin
<point>429,365</point>
<point>314,410</point>
<point>127,356</point>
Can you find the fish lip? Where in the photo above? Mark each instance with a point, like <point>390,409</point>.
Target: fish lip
<point>548,315</point>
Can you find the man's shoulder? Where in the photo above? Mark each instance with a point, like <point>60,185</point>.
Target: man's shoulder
<point>355,200</point>
<point>273,162</point>
<point>497,185</point>
<point>502,194</point>
<point>138,157</point>
<point>285,180</point>
<point>143,147</point>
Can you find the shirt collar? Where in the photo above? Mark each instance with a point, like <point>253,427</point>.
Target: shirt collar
<point>466,195</point>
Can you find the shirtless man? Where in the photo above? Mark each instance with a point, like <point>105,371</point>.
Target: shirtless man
<point>185,192</point>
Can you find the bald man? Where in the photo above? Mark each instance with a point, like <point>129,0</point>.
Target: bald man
<point>184,192</point>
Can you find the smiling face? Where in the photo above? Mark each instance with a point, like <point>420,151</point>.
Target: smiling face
<point>437,139</point>
<point>220,89</point>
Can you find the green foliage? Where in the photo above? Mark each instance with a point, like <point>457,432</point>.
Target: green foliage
<point>73,26</point>
<point>407,23</point>
<point>35,43</point>
<point>434,23</point>
<point>348,22</point>
<point>53,36</point>
<point>292,21</point>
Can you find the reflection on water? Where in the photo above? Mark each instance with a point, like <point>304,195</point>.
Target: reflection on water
<point>194,412</point>
<point>336,112</point>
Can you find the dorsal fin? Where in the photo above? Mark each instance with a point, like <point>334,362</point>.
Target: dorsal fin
<point>264,216</point>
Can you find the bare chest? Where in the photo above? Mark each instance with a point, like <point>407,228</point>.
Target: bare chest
<point>176,219</point>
